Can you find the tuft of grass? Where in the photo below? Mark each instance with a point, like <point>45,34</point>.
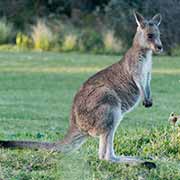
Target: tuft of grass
<point>42,36</point>
<point>111,43</point>
<point>69,43</point>
<point>23,41</point>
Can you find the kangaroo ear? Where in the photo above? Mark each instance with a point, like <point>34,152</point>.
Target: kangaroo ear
<point>139,19</point>
<point>157,19</point>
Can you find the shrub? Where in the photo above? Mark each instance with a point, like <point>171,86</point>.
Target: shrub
<point>111,43</point>
<point>69,42</point>
<point>42,36</point>
<point>176,51</point>
<point>23,41</point>
<point>91,41</point>
<point>5,31</point>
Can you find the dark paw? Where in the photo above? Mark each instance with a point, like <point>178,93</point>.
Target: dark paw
<point>149,165</point>
<point>147,103</point>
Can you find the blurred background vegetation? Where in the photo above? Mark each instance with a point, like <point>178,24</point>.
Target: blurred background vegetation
<point>98,26</point>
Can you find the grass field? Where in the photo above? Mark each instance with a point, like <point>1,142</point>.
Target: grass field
<point>36,93</point>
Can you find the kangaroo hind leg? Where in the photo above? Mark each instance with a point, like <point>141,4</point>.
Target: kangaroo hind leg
<point>106,150</point>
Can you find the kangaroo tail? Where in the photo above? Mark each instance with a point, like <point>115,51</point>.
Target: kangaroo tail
<point>26,144</point>
<point>73,140</point>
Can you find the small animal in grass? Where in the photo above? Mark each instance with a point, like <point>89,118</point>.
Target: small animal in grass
<point>174,119</point>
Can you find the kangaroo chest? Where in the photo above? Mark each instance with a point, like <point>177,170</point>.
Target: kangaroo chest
<point>142,74</point>
<point>145,67</point>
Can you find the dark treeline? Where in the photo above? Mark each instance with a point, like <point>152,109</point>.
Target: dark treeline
<point>97,14</point>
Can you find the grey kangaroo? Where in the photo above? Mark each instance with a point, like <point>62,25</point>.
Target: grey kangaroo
<point>107,96</point>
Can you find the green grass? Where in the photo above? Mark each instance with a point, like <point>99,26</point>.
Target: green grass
<point>36,93</point>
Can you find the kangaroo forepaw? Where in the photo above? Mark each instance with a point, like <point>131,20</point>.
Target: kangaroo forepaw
<point>147,103</point>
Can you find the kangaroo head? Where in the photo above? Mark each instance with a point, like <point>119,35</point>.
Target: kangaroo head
<point>148,34</point>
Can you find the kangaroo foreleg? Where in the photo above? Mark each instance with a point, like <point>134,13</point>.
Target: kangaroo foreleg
<point>146,91</point>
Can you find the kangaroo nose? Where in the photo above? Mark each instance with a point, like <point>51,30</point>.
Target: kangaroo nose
<point>159,48</point>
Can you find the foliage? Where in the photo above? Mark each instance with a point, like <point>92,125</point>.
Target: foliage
<point>5,31</point>
<point>111,43</point>
<point>23,41</point>
<point>175,51</point>
<point>112,14</point>
<point>42,36</point>
<point>90,41</point>
<point>69,43</point>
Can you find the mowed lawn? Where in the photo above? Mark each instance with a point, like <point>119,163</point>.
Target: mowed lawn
<point>36,94</point>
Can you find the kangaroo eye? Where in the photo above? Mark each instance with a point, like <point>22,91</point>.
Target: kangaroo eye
<point>150,36</point>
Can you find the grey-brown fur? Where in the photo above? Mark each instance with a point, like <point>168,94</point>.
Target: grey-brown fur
<point>104,98</point>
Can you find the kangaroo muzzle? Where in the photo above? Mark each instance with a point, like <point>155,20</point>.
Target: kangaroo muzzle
<point>158,48</point>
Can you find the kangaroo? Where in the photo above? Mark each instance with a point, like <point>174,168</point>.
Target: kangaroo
<point>104,99</point>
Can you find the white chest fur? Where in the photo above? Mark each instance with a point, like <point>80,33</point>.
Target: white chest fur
<point>146,66</point>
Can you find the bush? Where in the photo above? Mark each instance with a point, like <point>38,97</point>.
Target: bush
<point>111,43</point>
<point>69,43</point>
<point>176,51</point>
<point>42,36</point>
<point>5,31</point>
<point>23,41</point>
<point>91,41</point>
